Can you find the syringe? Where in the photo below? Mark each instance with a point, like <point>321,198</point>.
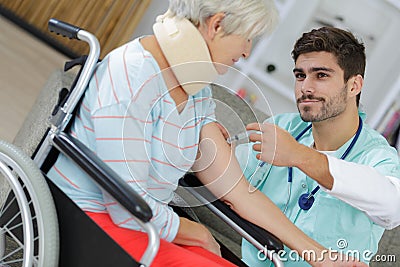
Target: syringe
<point>239,136</point>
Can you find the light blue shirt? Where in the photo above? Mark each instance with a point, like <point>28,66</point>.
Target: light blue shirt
<point>330,221</point>
<point>129,119</point>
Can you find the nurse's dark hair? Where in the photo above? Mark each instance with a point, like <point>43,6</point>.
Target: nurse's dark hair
<point>348,50</point>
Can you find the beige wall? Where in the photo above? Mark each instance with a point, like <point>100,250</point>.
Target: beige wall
<point>25,65</point>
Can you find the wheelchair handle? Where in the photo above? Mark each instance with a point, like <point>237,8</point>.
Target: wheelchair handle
<point>60,120</point>
<point>63,28</point>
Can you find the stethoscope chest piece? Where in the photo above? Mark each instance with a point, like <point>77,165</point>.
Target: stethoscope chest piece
<point>306,201</point>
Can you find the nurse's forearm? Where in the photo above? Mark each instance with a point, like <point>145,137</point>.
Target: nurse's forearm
<point>314,164</point>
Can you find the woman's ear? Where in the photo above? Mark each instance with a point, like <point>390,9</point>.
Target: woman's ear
<point>214,25</point>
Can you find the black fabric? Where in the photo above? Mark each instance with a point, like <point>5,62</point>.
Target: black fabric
<point>82,242</point>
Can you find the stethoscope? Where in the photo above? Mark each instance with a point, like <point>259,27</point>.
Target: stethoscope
<point>306,200</point>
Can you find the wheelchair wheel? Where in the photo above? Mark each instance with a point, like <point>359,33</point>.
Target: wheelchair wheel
<point>28,219</point>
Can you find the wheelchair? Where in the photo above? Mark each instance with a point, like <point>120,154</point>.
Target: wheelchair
<point>41,226</point>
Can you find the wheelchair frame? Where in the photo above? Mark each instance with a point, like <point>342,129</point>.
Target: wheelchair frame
<point>45,251</point>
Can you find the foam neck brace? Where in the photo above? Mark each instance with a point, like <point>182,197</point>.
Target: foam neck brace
<point>186,52</point>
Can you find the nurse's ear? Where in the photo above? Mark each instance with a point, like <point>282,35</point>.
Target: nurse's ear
<point>355,84</point>
<point>214,25</point>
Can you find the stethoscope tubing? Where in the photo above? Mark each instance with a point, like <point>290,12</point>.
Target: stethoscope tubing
<point>315,190</point>
<point>308,198</point>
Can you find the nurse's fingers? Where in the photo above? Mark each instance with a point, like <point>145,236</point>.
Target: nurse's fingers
<point>257,147</point>
<point>255,137</point>
<point>253,126</point>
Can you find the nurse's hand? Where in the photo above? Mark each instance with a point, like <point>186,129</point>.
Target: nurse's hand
<point>276,146</point>
<point>280,148</point>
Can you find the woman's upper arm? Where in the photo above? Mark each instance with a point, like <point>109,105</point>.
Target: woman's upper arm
<point>216,165</point>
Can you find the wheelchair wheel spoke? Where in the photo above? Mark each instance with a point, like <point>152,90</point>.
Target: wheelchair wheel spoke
<point>12,219</point>
<point>9,255</point>
<point>7,263</point>
<point>13,256</point>
<point>5,208</point>
<point>15,239</point>
<point>15,226</point>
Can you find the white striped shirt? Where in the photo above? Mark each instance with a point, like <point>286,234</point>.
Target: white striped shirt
<point>128,118</point>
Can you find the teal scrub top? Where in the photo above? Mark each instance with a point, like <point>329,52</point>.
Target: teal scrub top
<point>330,221</point>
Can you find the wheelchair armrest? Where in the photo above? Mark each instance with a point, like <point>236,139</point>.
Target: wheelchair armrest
<point>103,175</point>
<point>247,229</point>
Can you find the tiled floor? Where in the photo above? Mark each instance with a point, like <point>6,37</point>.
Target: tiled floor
<point>25,65</point>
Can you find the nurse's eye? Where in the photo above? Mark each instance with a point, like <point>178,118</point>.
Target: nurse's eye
<point>322,75</point>
<point>299,76</point>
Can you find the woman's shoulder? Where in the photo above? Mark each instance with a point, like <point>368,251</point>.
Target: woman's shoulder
<point>125,74</point>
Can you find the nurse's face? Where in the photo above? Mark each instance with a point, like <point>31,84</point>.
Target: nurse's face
<point>320,90</point>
